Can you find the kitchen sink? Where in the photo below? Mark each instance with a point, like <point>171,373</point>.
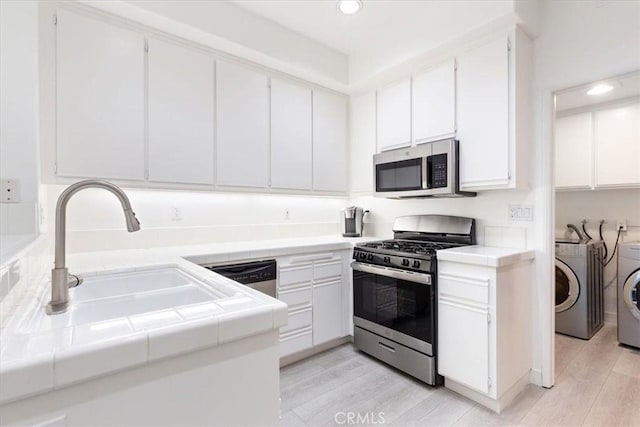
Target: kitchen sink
<point>110,296</point>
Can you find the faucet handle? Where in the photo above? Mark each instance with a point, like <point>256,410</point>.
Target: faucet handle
<point>75,280</point>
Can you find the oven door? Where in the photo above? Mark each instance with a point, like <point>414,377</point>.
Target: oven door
<point>395,304</point>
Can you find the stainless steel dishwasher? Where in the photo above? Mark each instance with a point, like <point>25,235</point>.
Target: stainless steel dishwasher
<point>259,275</point>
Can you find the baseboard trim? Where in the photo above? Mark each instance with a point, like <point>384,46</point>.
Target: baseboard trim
<point>295,357</point>
<point>496,405</point>
<point>535,376</point>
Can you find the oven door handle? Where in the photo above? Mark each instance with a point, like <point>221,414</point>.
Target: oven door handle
<point>409,276</point>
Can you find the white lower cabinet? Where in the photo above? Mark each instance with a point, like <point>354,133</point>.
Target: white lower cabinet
<point>327,319</point>
<point>464,343</point>
<point>314,287</point>
<point>484,330</point>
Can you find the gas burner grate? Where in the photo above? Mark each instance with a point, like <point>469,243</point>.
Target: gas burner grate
<point>409,246</point>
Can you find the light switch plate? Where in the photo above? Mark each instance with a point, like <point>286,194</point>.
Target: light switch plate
<point>9,191</point>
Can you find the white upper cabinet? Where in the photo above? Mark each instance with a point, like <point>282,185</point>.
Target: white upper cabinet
<point>483,115</point>
<point>617,140</point>
<point>291,134</point>
<point>100,99</point>
<point>181,116</point>
<point>433,110</point>
<point>574,151</point>
<point>242,126</point>
<point>394,115</point>
<point>494,114</point>
<point>362,142</point>
<point>329,142</point>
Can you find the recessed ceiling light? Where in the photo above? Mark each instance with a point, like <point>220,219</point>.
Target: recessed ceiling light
<point>349,7</point>
<point>599,89</point>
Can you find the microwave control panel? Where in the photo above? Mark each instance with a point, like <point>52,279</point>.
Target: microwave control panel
<point>438,170</point>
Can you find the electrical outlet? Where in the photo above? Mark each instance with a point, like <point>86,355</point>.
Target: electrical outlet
<point>520,212</point>
<point>9,191</point>
<point>176,214</point>
<point>621,225</point>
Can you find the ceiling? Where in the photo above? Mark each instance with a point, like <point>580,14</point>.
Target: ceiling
<point>379,22</point>
<point>625,87</point>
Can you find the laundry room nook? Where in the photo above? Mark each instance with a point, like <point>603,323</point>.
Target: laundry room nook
<point>597,215</point>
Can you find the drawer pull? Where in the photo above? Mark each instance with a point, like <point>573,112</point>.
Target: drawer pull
<point>387,347</point>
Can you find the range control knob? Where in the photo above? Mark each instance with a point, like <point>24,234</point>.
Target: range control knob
<point>370,257</point>
<point>387,260</point>
<point>416,264</point>
<point>363,255</point>
<point>405,262</point>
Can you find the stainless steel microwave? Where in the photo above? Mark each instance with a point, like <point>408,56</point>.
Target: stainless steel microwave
<point>427,170</point>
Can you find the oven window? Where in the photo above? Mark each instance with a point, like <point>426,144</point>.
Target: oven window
<point>397,304</point>
<point>399,176</point>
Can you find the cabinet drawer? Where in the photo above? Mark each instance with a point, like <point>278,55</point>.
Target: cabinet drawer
<point>295,297</point>
<point>327,270</point>
<point>295,341</point>
<point>474,289</point>
<point>298,319</point>
<point>306,259</point>
<point>293,275</point>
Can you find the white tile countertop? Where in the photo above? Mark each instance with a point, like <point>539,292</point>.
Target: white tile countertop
<point>485,255</point>
<point>38,362</point>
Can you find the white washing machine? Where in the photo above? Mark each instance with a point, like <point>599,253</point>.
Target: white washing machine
<point>629,294</point>
<point>579,288</point>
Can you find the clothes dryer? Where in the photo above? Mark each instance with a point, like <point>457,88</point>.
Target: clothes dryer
<point>579,287</point>
<point>629,294</point>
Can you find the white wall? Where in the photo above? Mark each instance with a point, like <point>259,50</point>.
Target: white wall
<point>240,26</point>
<point>609,205</point>
<point>95,220</point>
<point>19,113</point>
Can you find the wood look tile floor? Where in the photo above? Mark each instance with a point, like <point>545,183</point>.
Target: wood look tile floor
<point>597,384</point>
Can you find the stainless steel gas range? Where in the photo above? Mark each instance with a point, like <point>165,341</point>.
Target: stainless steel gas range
<point>394,291</point>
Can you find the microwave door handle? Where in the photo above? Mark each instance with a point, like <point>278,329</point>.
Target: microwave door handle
<point>425,174</point>
<point>428,161</point>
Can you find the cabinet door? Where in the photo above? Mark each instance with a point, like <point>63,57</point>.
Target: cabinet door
<point>329,142</point>
<point>574,147</point>
<point>242,126</point>
<point>433,95</point>
<point>463,344</point>
<point>327,311</point>
<point>617,137</point>
<point>100,99</point>
<point>180,114</point>
<point>483,115</point>
<point>290,136</point>
<point>394,116</point>
<point>362,144</point>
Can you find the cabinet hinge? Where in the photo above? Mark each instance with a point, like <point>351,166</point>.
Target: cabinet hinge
<point>55,19</point>
<point>509,45</point>
<point>488,318</point>
<point>55,168</point>
<point>488,382</point>
<point>146,45</point>
<point>269,83</point>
